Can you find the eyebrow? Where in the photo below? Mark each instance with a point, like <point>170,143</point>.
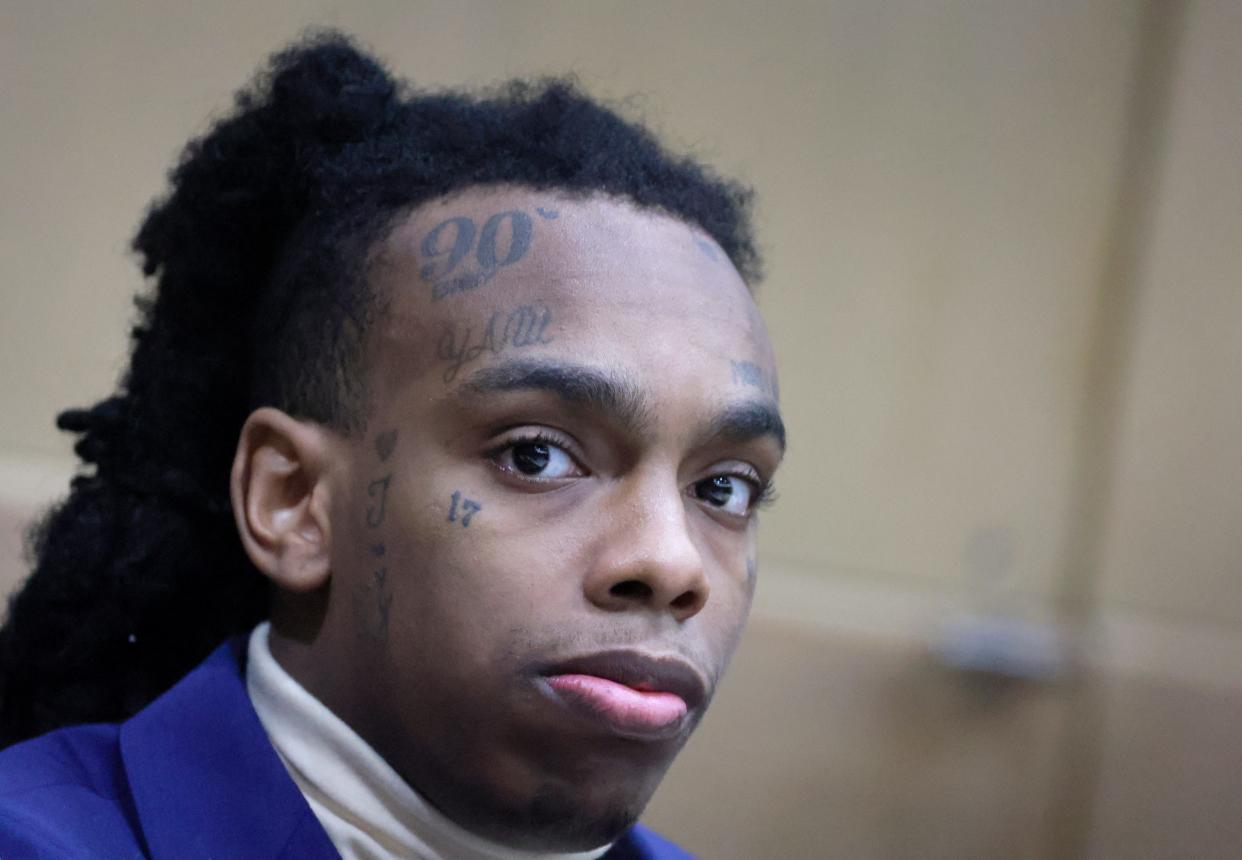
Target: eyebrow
<point>576,384</point>
<point>619,399</point>
<point>746,421</point>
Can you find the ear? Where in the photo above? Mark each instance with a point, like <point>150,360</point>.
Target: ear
<point>280,499</point>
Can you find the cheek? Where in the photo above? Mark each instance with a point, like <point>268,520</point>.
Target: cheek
<point>731,607</point>
<point>460,583</point>
<point>728,555</point>
<point>392,548</point>
<point>732,577</point>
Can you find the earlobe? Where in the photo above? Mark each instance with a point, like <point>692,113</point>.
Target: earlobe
<point>280,497</point>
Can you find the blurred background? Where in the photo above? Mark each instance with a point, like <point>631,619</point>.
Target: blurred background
<point>999,612</point>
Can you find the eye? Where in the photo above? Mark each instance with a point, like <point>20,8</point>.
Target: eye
<point>537,458</point>
<point>729,493</point>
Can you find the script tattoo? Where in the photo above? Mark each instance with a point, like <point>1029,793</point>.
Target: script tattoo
<point>383,600</point>
<point>385,444</point>
<point>449,265</point>
<point>469,508</point>
<point>378,489</point>
<point>524,326</point>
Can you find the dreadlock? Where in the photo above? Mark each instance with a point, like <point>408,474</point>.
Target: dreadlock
<point>256,261</point>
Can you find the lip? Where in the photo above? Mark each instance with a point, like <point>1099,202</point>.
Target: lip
<point>631,694</point>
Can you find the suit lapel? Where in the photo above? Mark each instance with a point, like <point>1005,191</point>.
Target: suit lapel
<point>205,779</point>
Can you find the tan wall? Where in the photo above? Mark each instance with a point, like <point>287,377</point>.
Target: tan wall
<point>937,182</point>
<point>940,187</point>
<point>1174,534</point>
<point>1003,288</point>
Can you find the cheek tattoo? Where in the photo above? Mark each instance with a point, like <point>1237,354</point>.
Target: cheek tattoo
<point>468,506</point>
<point>385,444</point>
<point>378,489</point>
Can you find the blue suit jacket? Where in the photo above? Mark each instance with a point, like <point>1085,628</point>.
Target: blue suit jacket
<point>191,776</point>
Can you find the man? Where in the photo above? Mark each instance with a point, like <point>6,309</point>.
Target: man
<point>500,409</point>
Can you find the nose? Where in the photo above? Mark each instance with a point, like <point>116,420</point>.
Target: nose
<point>648,559</point>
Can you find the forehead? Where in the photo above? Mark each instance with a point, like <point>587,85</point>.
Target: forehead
<point>502,272</point>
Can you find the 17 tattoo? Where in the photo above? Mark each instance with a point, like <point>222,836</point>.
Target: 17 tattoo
<point>469,508</point>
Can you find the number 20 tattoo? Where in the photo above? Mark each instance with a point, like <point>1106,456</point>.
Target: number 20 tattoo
<point>448,244</point>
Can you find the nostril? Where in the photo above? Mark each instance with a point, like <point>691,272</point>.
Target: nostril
<point>685,600</point>
<point>631,588</point>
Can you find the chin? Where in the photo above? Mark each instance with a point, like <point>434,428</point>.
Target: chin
<point>553,809</point>
<point>557,818</point>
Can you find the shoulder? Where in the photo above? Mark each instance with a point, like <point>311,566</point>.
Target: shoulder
<point>64,795</point>
<point>82,755</point>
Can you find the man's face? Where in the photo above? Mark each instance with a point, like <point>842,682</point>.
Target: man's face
<point>543,545</point>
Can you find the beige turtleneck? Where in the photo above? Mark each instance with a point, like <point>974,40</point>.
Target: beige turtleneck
<point>368,811</point>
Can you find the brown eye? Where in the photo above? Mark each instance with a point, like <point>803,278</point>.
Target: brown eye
<point>537,459</point>
<point>726,492</point>
<point>531,458</point>
<point>715,491</point>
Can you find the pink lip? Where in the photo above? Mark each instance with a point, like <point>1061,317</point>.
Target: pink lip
<point>648,714</point>
<point>629,693</point>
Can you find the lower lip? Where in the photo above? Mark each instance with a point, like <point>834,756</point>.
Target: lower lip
<point>642,714</point>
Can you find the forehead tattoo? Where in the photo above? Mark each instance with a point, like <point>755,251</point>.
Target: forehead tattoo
<point>460,254</point>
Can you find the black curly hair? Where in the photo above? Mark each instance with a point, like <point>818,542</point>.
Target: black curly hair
<point>257,258</point>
